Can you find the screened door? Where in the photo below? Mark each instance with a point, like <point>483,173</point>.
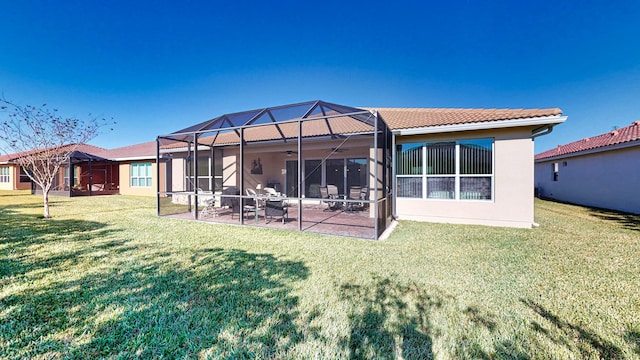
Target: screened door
<point>291,179</point>
<point>312,178</point>
<point>335,174</point>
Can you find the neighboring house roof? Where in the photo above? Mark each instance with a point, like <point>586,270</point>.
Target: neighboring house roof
<point>145,150</point>
<point>86,151</point>
<point>93,150</point>
<point>602,142</point>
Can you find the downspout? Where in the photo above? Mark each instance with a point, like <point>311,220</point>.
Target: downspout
<point>157,176</point>
<point>90,179</point>
<point>543,130</point>
<point>394,180</point>
<point>196,181</point>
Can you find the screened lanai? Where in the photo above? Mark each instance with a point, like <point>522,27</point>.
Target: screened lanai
<point>312,166</point>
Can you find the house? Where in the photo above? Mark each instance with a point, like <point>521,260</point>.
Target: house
<point>468,166</point>
<point>12,176</point>
<point>91,170</point>
<point>601,171</point>
<point>136,168</point>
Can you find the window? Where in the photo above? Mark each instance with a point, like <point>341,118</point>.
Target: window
<point>24,177</point>
<point>76,176</point>
<point>555,171</point>
<point>140,175</point>
<point>456,170</point>
<point>4,174</point>
<point>209,172</point>
<point>344,173</point>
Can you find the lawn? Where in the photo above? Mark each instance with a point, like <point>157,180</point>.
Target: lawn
<point>107,278</point>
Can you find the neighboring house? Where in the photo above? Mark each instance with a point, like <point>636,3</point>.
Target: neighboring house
<point>12,176</point>
<point>92,170</point>
<point>136,168</point>
<point>468,166</point>
<point>601,171</point>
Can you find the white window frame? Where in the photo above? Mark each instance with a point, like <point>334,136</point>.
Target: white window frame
<point>5,174</point>
<point>457,175</point>
<point>134,174</point>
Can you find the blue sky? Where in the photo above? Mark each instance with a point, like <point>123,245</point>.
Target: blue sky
<point>156,67</point>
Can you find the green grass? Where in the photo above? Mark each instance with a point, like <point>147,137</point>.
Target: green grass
<point>107,278</point>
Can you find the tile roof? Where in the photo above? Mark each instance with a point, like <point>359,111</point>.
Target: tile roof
<point>85,148</point>
<point>147,150</point>
<point>615,137</point>
<point>396,119</point>
<point>143,150</point>
<point>408,118</point>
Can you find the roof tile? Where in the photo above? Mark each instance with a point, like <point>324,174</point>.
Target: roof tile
<point>618,136</point>
<point>407,118</point>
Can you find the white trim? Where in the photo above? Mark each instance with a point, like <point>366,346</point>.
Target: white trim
<point>620,146</point>
<point>135,158</point>
<point>555,119</point>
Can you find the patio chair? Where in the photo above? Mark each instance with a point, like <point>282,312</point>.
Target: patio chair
<point>246,209</point>
<point>271,192</point>
<point>252,197</point>
<point>355,193</point>
<point>364,196</point>
<point>225,201</point>
<point>275,208</point>
<point>330,198</point>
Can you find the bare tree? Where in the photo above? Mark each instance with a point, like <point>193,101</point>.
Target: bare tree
<point>43,140</point>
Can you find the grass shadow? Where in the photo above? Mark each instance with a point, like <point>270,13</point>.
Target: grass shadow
<point>632,337</point>
<point>626,220</point>
<point>588,343</point>
<point>218,304</point>
<point>65,241</point>
<point>387,318</point>
<point>390,319</point>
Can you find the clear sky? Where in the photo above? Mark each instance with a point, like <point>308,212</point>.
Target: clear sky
<point>159,66</point>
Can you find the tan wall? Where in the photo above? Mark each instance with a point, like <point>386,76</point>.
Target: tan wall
<point>229,169</point>
<point>177,174</point>
<point>125,182</point>
<point>512,203</point>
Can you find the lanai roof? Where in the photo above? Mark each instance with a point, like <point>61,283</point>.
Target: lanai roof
<point>327,119</point>
<point>280,122</point>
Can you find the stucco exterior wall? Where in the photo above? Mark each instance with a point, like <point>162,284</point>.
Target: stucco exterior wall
<point>125,180</point>
<point>177,174</point>
<point>512,203</point>
<point>608,179</point>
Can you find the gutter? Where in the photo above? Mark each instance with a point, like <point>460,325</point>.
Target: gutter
<point>134,158</point>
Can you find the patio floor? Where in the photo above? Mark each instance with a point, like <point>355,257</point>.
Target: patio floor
<point>315,219</point>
